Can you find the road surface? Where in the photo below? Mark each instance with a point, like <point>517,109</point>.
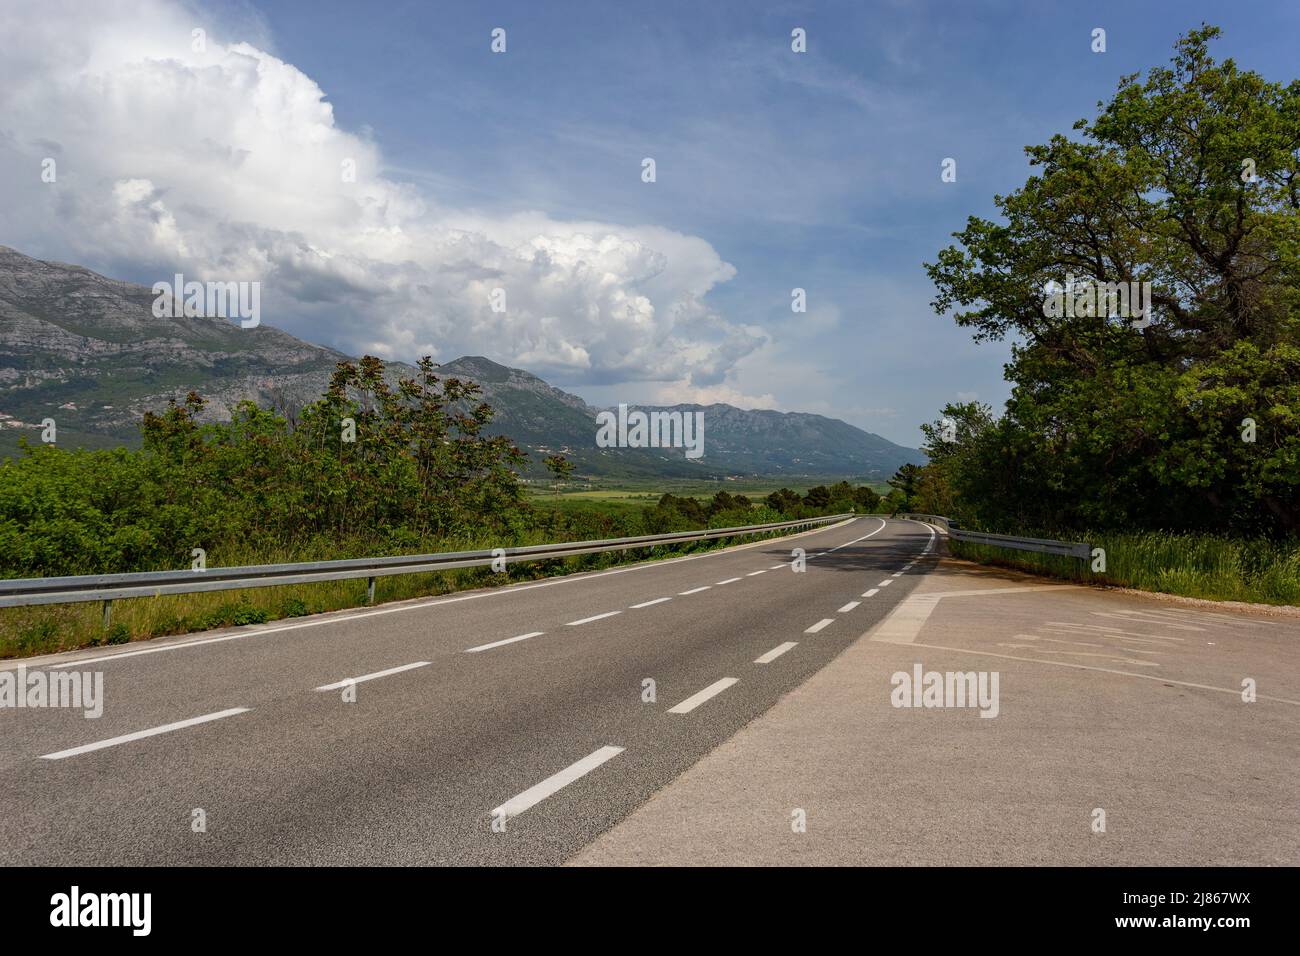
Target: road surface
<point>445,728</point>
<point>519,725</point>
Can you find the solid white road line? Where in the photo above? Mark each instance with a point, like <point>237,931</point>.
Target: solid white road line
<point>594,617</point>
<point>141,734</point>
<point>776,652</point>
<point>819,625</point>
<point>339,685</point>
<point>536,794</point>
<point>648,603</point>
<point>324,620</point>
<point>752,573</point>
<point>508,640</point>
<point>728,581</point>
<point>872,534</point>
<point>713,690</point>
<point>849,607</point>
<point>871,592</point>
<point>776,567</point>
<point>694,590</point>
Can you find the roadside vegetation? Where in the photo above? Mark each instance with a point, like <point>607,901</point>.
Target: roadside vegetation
<point>1255,571</point>
<point>367,470</point>
<point>1171,439</point>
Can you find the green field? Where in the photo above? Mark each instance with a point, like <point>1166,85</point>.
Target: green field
<point>648,492</point>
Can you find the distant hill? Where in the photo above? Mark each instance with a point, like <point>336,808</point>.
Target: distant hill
<point>88,351</point>
<point>736,441</point>
<point>765,442</point>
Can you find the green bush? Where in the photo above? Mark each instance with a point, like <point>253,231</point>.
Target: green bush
<point>420,468</point>
<point>293,607</point>
<point>39,637</point>
<point>247,614</point>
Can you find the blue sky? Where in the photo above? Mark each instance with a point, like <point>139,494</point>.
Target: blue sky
<point>818,170</point>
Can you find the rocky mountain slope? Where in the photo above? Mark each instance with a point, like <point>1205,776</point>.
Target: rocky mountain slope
<point>88,351</point>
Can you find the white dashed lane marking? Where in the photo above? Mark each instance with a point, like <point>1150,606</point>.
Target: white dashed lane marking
<point>713,690</point>
<point>536,794</point>
<point>871,592</point>
<point>594,617</point>
<point>776,652</point>
<point>819,625</point>
<point>598,617</point>
<point>508,640</point>
<point>339,685</point>
<point>141,734</point>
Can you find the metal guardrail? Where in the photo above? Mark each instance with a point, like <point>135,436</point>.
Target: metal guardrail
<point>18,592</point>
<point>934,519</point>
<point>1069,549</point>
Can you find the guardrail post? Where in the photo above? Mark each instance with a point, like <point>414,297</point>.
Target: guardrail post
<point>108,612</point>
<point>370,591</point>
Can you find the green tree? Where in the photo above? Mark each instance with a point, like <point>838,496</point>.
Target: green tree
<point>906,481</point>
<point>817,498</point>
<point>560,469</point>
<point>420,468</point>
<point>866,499</point>
<point>1187,180</point>
<point>784,501</point>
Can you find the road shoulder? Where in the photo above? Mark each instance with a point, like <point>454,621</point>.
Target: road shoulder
<point>1108,702</point>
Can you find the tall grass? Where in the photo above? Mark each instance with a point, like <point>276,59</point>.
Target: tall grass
<point>1253,570</point>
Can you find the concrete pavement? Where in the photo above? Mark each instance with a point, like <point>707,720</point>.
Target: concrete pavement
<point>1108,702</point>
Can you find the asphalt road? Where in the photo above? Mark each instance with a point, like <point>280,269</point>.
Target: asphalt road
<point>524,706</point>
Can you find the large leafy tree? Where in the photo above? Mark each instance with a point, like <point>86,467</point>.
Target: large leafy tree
<point>1186,180</point>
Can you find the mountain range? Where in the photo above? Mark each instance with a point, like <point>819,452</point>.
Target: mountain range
<point>88,351</point>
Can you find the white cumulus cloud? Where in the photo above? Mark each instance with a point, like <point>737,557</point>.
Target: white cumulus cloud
<point>224,162</point>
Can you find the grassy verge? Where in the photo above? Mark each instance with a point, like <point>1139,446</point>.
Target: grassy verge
<point>48,629</point>
<point>1256,571</point>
